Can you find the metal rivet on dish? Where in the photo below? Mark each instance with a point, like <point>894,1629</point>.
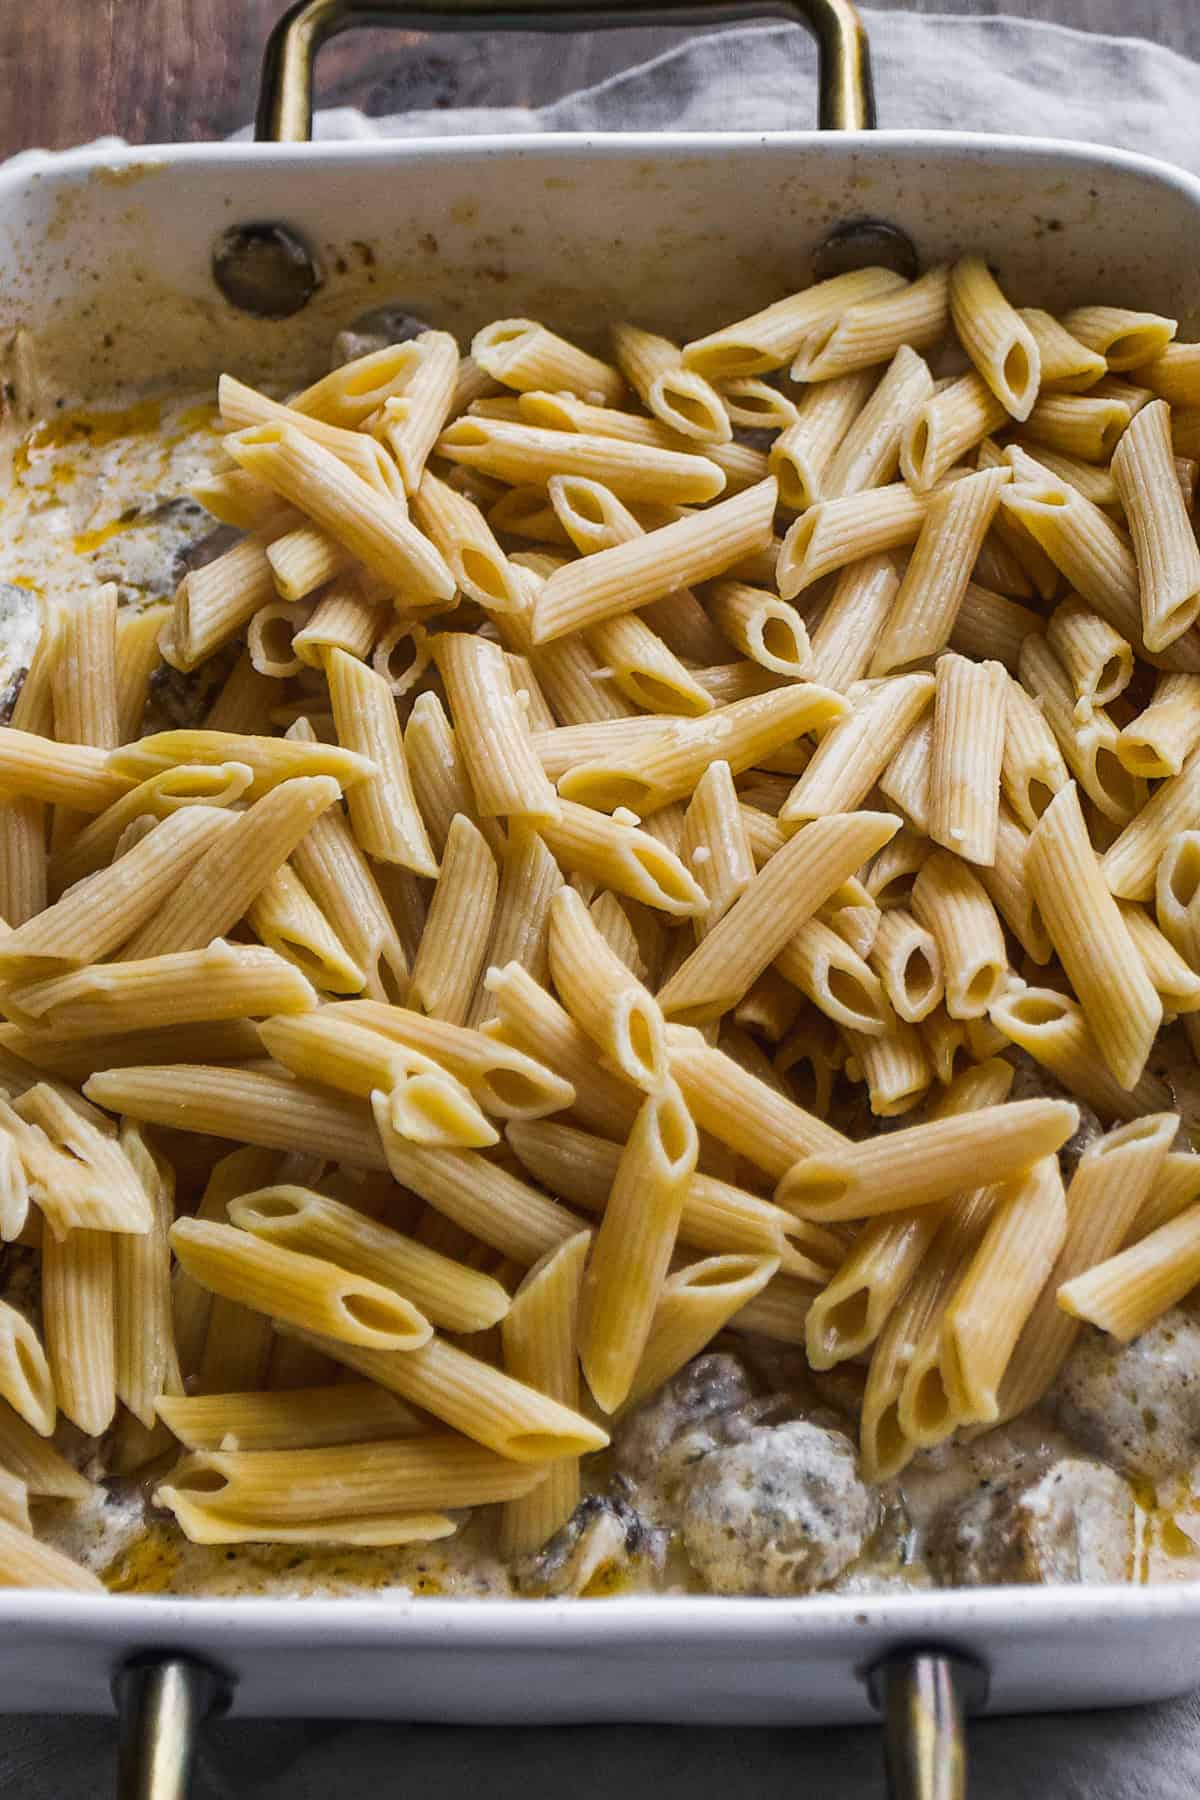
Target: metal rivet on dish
<point>265,269</point>
<point>866,243</point>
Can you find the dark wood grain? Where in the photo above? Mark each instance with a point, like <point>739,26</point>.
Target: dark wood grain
<point>162,70</point>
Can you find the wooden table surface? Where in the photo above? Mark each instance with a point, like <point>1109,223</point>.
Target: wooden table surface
<point>161,70</point>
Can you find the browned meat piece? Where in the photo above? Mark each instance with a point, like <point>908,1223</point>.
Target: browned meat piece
<point>781,1513</point>
<point>691,1415</point>
<point>1136,1405</point>
<point>1072,1522</point>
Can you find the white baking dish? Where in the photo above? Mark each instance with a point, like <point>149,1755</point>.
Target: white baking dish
<point>107,260</point>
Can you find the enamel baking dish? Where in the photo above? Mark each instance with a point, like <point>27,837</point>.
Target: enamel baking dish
<point>109,260</point>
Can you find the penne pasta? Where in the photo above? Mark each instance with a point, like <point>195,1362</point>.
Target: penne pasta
<point>994,336</point>
<point>925,1163</point>
<point>540,1341</point>
<point>969,734</point>
<point>680,397</point>
<point>1164,542</point>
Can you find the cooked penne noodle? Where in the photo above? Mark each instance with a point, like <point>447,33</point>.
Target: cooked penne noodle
<point>23,871</point>
<point>835,978</point>
<point>681,398</point>
<point>423,1101</point>
<point>344,1480</point>
<point>136,656</point>
<point>522,354</point>
<point>438,775</point>
<point>715,848</point>
<point>768,339</point>
<point>145,1360</point>
<point>853,755</point>
<point>780,899</point>
<point>799,456</point>
<point>632,1251</point>
<point>1088,746</point>
<point>27,1563</point>
<point>849,1313</point>
<point>1164,541</point>
<point>1067,364</point>
<point>458,926</point>
<point>252,1105</point>
<point>1175,1187</point>
<point>755,405</point>
<point>924,1163</point>
<point>72,775</point>
<point>872,331</point>
<point>462,534</point>
<point>836,532</point>
<point>78,1326</point>
<point>1174,979</point>
<point>994,336</point>
<point>1127,1293</point>
<point>245,409</point>
<point>895,1066</point>
<point>1032,769</point>
<point>1088,426</point>
<point>636,571</point>
<point>1096,559</point>
<point>625,859</point>
<point>289,922</point>
<point>753,1119</point>
<point>999,1290</point>
<point>522,454</point>
<point>1177,894</point>
<point>654,762</point>
<point>340,879</point>
<point>222,981</point>
<point>235,498</point>
<point>350,1412</point>
<point>956,521</point>
<point>1089,935</point>
<point>540,1341</point>
<point>372,526</point>
<point>229,873</point>
<point>480,1196</point>
<point>1157,742</point>
<point>492,735</point>
<point>907,959</point>
<point>244,701</point>
<point>99,913</point>
<point>762,627</point>
<point>435,383</point>
<point>969,732</point>
<point>344,618</point>
<point>448,1293</point>
<point>694,1305</point>
<point>645,670</point>
<point>302,1290</point>
<point>202,1523</point>
<point>503,1081</point>
<point>1113,1182</point>
<point>1124,338</point>
<point>622,1019</point>
<point>905,781</point>
<point>1053,1029</point>
<point>1097,659</point>
<point>1130,863</point>
<point>716,1217</point>
<point>843,642</point>
<point>271,760</point>
<point>26,1383</point>
<point>869,453</point>
<point>383,807</point>
<point>949,423</point>
<point>187,784</point>
<point>303,560</point>
<point>1005,884</point>
<point>536,1023</point>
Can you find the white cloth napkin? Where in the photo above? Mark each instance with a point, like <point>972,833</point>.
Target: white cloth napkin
<point>996,74</point>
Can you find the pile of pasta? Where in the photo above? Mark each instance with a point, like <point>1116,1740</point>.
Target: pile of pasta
<point>645,803</point>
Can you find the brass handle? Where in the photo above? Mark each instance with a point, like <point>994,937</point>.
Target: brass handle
<point>162,1701</point>
<point>284,116</point>
<point>924,1696</point>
